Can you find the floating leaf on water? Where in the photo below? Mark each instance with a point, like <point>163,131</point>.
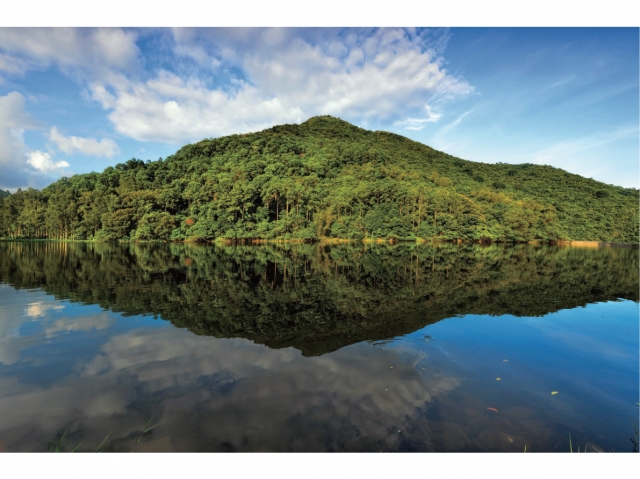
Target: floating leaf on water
<point>498,379</point>
<point>492,409</point>
<point>553,393</point>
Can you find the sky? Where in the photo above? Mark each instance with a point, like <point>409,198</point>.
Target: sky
<point>79,100</point>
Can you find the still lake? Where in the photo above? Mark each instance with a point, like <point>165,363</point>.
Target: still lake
<point>347,347</point>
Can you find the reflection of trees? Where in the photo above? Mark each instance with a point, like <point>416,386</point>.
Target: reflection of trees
<point>319,298</point>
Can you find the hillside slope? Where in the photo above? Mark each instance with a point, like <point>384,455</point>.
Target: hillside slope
<point>323,178</point>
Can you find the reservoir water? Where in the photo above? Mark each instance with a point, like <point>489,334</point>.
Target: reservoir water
<point>350,347</point>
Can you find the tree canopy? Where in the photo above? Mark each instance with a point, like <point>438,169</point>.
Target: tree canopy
<point>324,178</point>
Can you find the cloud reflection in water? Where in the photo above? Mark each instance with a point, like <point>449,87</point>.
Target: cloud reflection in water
<point>224,394</point>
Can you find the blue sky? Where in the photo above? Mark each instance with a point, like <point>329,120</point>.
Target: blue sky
<point>79,100</point>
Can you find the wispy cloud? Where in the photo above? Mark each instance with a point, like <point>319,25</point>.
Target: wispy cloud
<point>593,156</point>
<point>601,94</point>
<point>450,126</point>
<point>85,146</point>
<point>576,146</point>
<point>439,140</point>
<point>417,124</point>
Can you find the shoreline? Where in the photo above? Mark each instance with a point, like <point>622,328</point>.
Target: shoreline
<point>596,244</point>
<point>392,241</point>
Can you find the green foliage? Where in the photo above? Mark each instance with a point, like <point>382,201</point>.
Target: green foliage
<point>323,178</point>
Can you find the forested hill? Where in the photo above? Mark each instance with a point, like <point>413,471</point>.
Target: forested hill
<point>323,178</point>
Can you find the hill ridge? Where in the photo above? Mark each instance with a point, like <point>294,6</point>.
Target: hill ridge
<point>322,178</point>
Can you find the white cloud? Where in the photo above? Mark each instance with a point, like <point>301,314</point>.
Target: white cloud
<point>170,109</point>
<point>14,120</point>
<point>42,161</point>
<point>21,167</point>
<point>86,146</point>
<point>12,113</point>
<point>282,75</point>
<point>75,50</point>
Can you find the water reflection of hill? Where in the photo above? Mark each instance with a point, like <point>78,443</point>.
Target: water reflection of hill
<point>320,298</point>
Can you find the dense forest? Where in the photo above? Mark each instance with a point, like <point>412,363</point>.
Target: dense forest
<point>319,298</point>
<point>322,178</point>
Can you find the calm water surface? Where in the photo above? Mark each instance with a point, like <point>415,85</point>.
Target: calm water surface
<point>318,348</point>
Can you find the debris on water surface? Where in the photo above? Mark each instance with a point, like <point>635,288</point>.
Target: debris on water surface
<point>553,393</point>
<point>498,379</point>
<point>505,360</point>
<point>492,409</point>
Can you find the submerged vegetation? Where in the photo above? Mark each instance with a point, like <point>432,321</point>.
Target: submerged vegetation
<point>61,443</point>
<point>319,298</point>
<point>324,178</point>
